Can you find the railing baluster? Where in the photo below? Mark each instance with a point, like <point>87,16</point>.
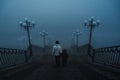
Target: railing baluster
<point>9,57</point>
<point>107,56</point>
<point>119,56</point>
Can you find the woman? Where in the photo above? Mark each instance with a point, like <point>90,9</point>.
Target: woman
<point>57,50</point>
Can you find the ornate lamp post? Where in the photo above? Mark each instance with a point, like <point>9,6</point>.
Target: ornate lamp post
<point>27,25</point>
<point>91,23</point>
<point>43,34</point>
<point>77,33</point>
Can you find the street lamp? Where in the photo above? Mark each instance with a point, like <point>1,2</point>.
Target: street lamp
<point>27,25</point>
<point>43,34</point>
<point>91,23</point>
<point>77,33</point>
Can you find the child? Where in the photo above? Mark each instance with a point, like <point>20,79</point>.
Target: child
<point>64,56</point>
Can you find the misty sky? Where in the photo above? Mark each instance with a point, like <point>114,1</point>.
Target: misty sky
<point>60,18</point>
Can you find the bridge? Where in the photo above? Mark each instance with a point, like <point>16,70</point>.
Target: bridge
<point>103,64</point>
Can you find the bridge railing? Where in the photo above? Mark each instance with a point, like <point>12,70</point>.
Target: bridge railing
<point>10,57</point>
<point>107,56</point>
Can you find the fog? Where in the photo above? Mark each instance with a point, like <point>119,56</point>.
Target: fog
<point>60,18</point>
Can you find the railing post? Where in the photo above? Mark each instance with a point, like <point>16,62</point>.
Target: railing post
<point>26,57</point>
<point>93,56</point>
<point>119,56</point>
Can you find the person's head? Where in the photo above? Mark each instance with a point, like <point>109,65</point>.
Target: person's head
<point>57,42</point>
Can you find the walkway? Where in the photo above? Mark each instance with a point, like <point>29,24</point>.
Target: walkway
<point>75,70</point>
<point>46,70</point>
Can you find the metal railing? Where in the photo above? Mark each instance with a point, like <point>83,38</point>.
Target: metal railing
<point>107,56</point>
<point>10,57</point>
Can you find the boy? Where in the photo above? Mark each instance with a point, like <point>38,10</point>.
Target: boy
<point>64,56</point>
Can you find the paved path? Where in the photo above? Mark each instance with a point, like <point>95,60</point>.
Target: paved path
<point>75,70</point>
